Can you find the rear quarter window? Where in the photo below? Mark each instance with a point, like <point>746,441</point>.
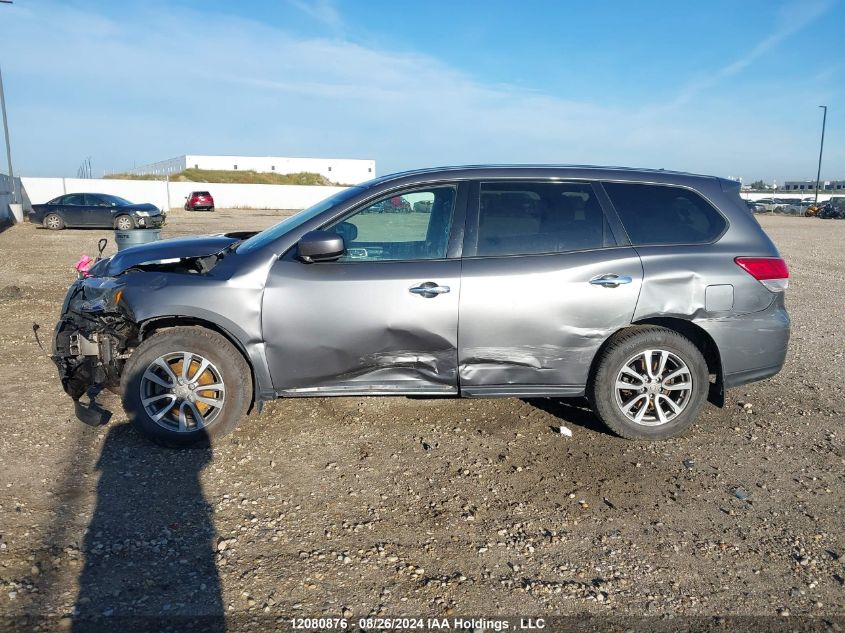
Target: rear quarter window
<point>662,214</point>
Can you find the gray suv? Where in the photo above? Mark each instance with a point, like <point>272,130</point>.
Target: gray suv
<point>647,291</point>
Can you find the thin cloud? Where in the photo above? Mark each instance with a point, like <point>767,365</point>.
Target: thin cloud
<point>324,11</point>
<point>794,18</point>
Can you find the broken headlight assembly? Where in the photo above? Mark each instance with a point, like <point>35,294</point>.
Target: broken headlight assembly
<point>107,302</point>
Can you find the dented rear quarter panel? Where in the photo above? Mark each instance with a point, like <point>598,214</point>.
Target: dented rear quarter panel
<point>753,333</point>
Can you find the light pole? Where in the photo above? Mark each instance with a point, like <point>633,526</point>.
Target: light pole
<point>8,146</point>
<point>6,131</point>
<point>821,149</point>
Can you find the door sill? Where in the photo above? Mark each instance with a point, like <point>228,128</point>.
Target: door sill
<point>522,391</point>
<point>367,390</point>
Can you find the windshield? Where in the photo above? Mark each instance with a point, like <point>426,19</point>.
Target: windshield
<point>115,201</point>
<point>277,230</point>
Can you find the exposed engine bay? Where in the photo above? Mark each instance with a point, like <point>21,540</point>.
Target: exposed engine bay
<point>93,338</point>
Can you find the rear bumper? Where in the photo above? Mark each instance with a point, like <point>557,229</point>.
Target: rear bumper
<point>751,346</point>
<point>750,375</point>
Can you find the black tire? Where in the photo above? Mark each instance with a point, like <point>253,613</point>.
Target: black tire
<point>54,222</point>
<point>119,220</point>
<point>623,346</point>
<point>226,359</point>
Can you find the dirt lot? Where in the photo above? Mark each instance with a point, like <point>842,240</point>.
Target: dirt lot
<point>360,506</point>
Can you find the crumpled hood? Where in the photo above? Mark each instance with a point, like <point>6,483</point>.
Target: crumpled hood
<point>174,248</point>
<point>142,206</point>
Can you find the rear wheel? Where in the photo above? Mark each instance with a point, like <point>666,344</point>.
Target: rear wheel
<point>124,223</point>
<point>650,383</point>
<point>54,222</point>
<point>186,386</point>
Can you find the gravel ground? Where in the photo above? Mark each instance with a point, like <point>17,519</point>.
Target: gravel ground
<point>363,506</point>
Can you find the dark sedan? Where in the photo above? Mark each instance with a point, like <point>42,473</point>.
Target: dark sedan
<point>96,210</point>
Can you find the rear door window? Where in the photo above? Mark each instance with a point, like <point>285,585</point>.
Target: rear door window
<point>74,199</point>
<point>532,218</point>
<point>661,214</point>
<point>94,201</point>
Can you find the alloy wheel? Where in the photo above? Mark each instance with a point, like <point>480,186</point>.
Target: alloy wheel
<point>653,387</point>
<point>182,391</point>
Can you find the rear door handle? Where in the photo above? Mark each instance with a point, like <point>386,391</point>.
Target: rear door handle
<point>429,289</point>
<point>610,280</point>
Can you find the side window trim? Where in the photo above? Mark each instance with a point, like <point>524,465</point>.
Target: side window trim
<point>455,243</point>
<point>612,216</point>
<point>470,244</point>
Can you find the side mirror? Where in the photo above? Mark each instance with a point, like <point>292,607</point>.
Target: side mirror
<point>320,246</point>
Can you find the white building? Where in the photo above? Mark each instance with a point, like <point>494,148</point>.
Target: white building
<point>347,171</point>
<point>810,185</point>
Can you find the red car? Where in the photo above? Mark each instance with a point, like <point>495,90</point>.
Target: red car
<point>199,201</point>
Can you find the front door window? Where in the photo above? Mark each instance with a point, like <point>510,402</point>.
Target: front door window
<point>412,225</point>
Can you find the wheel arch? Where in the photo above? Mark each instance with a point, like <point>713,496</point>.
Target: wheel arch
<point>156,324</point>
<point>47,213</point>
<point>695,333</point>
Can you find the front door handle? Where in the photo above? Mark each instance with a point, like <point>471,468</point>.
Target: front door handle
<point>610,280</point>
<point>429,289</point>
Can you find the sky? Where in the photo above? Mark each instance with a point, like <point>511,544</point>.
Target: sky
<point>720,87</point>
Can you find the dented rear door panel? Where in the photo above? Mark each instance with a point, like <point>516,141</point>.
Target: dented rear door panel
<point>537,320</point>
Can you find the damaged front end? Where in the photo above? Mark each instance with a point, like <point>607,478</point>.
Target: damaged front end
<point>98,329</point>
<point>94,336</point>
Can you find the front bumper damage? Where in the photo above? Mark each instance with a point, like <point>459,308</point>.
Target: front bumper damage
<point>93,338</point>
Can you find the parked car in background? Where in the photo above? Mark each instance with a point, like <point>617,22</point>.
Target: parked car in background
<point>790,206</point>
<point>754,206</point>
<point>199,201</point>
<point>647,291</point>
<point>96,210</point>
<point>396,204</point>
<point>767,204</point>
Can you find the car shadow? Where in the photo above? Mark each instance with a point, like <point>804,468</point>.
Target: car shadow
<point>572,410</point>
<point>150,547</point>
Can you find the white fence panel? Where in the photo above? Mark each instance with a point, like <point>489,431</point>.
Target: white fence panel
<point>164,195</point>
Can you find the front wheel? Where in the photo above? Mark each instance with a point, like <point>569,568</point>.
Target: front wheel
<point>650,383</point>
<point>124,223</point>
<point>186,386</point>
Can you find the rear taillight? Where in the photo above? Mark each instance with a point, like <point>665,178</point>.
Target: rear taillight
<point>769,271</point>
